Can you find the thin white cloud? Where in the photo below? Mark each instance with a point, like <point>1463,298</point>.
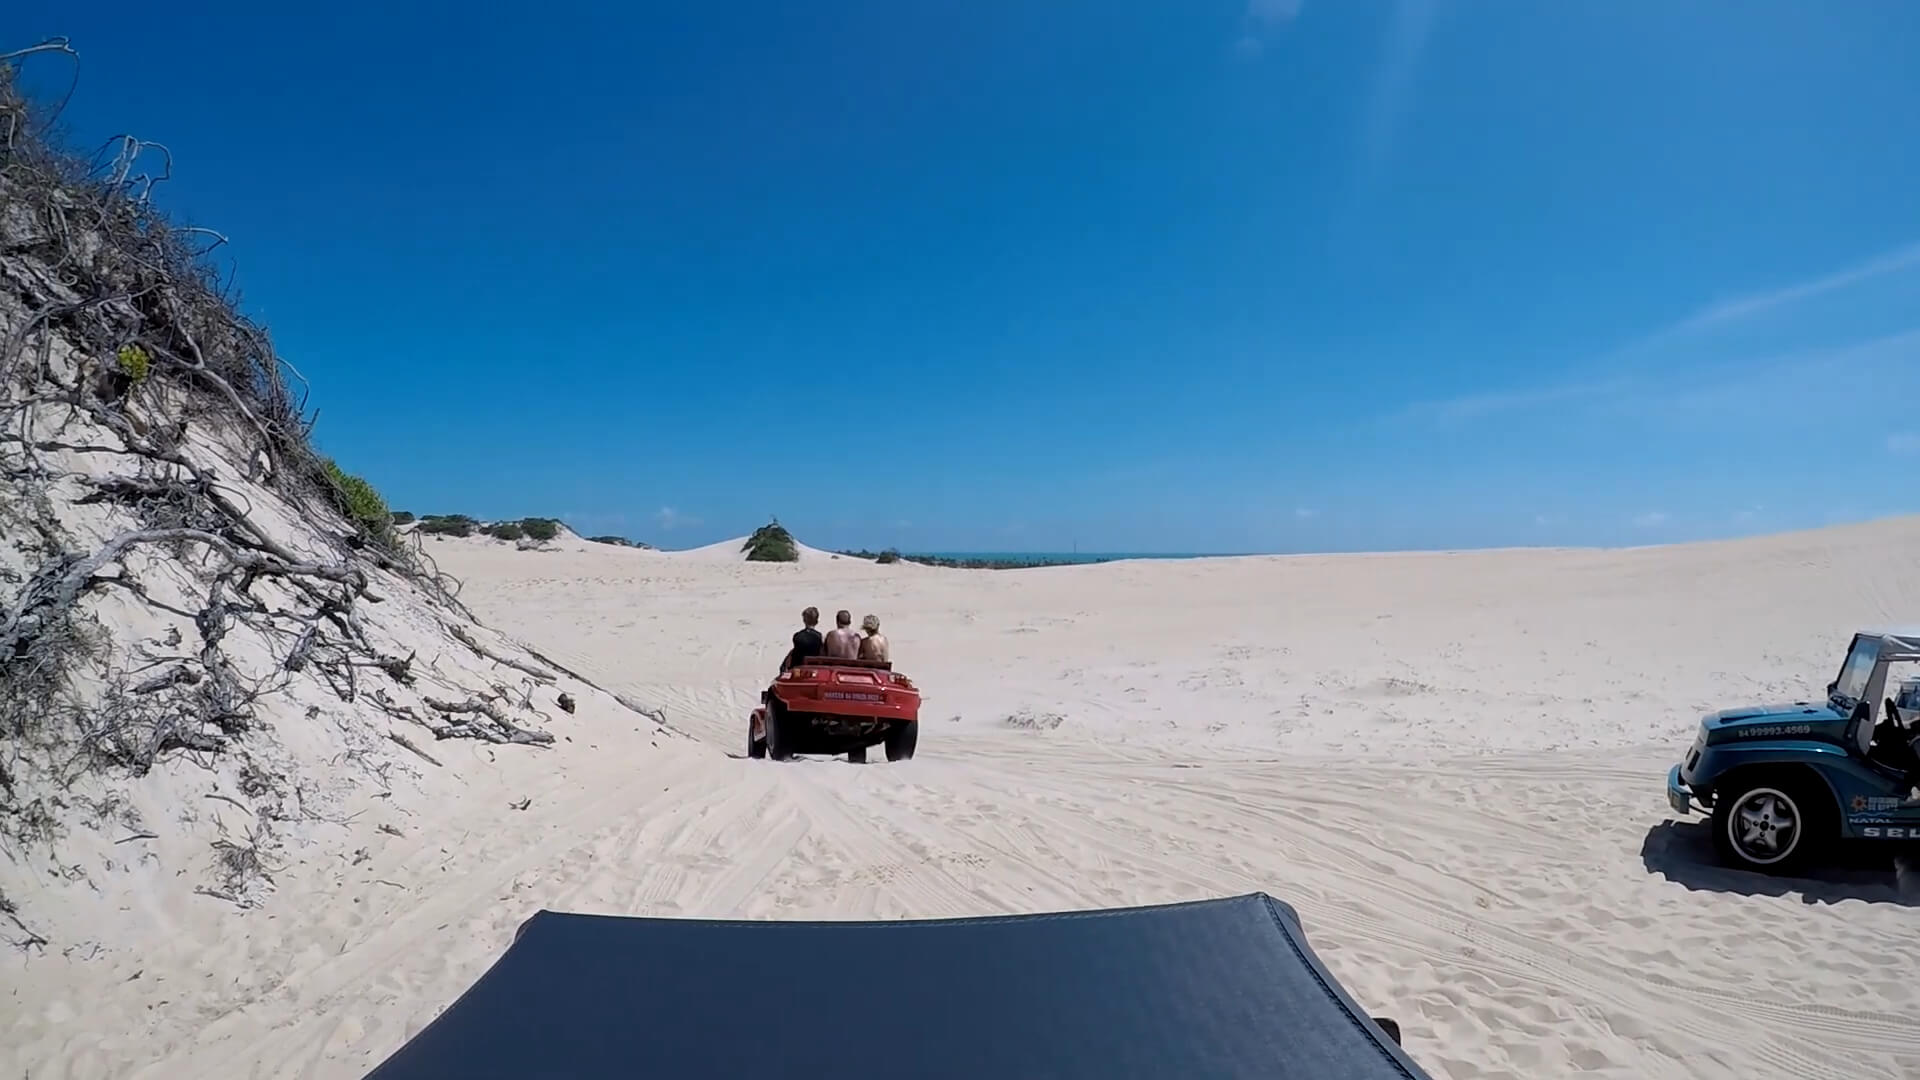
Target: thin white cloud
<point>669,518</point>
<point>1904,442</point>
<point>1794,384</point>
<point>1718,316</point>
<point>1727,314</point>
<point>1650,519</point>
<point>1466,407</point>
<point>1273,12</point>
<point>1263,17</point>
<point>1305,512</point>
<point>1746,307</point>
<point>1749,387</point>
<point>1393,79</point>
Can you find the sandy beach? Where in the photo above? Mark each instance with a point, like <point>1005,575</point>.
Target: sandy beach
<point>1451,764</point>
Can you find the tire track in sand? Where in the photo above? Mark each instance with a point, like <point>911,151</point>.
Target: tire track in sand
<point>1399,911</point>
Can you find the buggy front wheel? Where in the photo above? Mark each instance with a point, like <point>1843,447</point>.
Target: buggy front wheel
<point>1771,824</point>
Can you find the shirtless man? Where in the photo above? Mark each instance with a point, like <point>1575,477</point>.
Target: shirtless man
<point>873,646</point>
<point>843,641</point>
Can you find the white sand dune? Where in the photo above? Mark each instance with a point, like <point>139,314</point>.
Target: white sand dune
<point>1450,763</point>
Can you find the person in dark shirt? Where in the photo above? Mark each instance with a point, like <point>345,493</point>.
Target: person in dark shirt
<point>806,640</point>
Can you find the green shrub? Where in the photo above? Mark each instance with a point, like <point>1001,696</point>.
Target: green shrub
<point>620,541</point>
<point>505,530</point>
<point>771,543</point>
<point>540,528</point>
<point>357,499</point>
<point>887,556</point>
<point>134,362</point>
<point>448,525</point>
<point>401,517</point>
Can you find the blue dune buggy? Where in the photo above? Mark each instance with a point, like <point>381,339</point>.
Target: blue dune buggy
<point>1784,783</point>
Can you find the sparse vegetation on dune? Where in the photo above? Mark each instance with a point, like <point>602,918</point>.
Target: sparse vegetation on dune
<point>361,504</point>
<point>771,543</point>
<point>447,525</point>
<point>532,528</point>
<point>179,569</point>
<point>620,541</point>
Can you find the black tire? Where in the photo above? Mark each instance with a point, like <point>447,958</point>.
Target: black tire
<point>902,739</point>
<point>857,755</point>
<point>779,734</point>
<point>756,748</point>
<point>1771,822</point>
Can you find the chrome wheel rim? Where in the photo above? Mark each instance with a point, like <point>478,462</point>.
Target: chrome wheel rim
<point>1764,826</point>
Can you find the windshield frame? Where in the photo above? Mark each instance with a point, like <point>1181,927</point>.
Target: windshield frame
<point>1863,656</point>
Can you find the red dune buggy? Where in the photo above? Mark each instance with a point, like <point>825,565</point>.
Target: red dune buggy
<point>829,706</point>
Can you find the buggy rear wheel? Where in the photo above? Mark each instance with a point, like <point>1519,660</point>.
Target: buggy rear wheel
<point>779,727</point>
<point>857,755</point>
<point>902,739</point>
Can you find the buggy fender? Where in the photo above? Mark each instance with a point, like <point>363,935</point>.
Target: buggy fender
<point>1721,760</point>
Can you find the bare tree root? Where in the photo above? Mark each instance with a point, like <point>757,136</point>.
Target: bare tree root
<point>657,715</point>
<point>28,939</point>
<point>500,730</point>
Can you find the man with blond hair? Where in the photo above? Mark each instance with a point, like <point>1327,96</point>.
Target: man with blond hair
<point>873,646</point>
<point>843,641</point>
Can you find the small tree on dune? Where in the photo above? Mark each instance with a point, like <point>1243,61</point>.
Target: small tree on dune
<point>771,543</point>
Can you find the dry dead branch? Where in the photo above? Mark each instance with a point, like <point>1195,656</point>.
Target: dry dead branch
<point>485,653</point>
<point>409,744</point>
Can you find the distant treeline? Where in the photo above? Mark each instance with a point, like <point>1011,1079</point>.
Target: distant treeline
<point>530,528</point>
<point>462,525</point>
<point>1010,562</point>
<point>619,541</point>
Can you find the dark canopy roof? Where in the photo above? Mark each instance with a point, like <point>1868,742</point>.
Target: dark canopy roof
<point>1217,988</point>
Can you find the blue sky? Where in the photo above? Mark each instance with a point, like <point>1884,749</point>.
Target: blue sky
<point>1188,276</point>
